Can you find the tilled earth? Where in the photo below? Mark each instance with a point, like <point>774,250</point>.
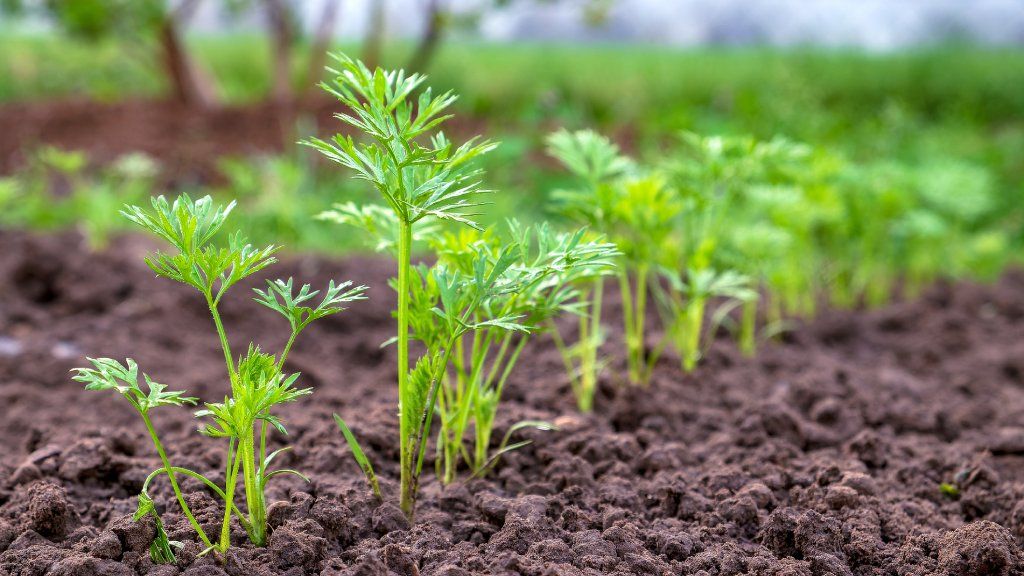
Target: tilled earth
<point>188,143</point>
<point>888,442</point>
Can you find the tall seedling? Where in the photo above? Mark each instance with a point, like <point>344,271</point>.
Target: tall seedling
<point>421,176</point>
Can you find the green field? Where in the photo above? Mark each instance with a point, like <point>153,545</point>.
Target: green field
<point>945,118</point>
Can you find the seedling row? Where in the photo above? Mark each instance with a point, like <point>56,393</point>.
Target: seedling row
<point>713,235</point>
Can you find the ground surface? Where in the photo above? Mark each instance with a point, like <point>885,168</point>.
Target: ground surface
<point>187,142</point>
<point>824,455</point>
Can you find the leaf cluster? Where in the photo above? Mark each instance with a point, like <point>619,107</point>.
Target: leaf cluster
<point>280,297</point>
<point>416,178</point>
<point>108,374</point>
<point>190,227</point>
<point>257,387</point>
<point>257,382</point>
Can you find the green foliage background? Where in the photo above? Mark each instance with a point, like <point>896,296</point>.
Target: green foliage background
<point>953,115</point>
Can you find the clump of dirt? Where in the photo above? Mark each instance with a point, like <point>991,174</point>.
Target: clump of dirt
<point>871,442</point>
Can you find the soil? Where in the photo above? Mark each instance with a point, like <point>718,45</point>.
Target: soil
<point>187,142</point>
<point>823,455</point>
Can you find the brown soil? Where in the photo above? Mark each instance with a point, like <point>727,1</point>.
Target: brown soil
<point>824,455</point>
<point>187,142</point>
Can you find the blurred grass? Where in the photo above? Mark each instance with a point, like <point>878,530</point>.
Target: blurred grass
<point>919,108</point>
<point>603,84</point>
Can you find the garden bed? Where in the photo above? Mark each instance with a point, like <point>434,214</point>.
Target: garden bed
<point>187,142</point>
<point>880,442</point>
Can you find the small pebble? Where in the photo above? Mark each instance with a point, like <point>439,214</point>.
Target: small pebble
<point>10,347</point>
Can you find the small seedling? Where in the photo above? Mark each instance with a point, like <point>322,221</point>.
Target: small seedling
<point>257,383</point>
<point>665,224</point>
<point>640,214</point>
<point>536,288</point>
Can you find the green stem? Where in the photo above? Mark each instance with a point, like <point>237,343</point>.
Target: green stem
<point>197,476</point>
<point>287,349</point>
<point>253,494</point>
<point>748,328</point>
<point>406,498</point>
<point>427,417</point>
<point>626,290</point>
<point>484,432</point>
<point>174,480</point>
<point>229,496</point>
<point>590,333</point>
<point>639,324</point>
<point>498,360</point>
<point>480,351</point>
<point>484,420</point>
<point>222,334</point>
<point>569,363</point>
<point>460,363</point>
<point>634,311</point>
<point>694,322</point>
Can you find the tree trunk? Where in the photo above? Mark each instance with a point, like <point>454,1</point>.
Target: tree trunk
<point>374,35</point>
<point>431,38</point>
<point>321,44</point>
<point>281,40</point>
<point>189,85</point>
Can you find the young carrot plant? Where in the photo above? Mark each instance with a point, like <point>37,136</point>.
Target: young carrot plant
<point>639,213</point>
<point>108,374</point>
<point>257,381</point>
<point>536,288</point>
<point>421,176</point>
<point>598,165</point>
<point>668,224</point>
<point>475,307</point>
<point>685,305</point>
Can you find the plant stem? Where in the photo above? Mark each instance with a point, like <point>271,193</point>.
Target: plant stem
<point>570,365</point>
<point>640,321</point>
<point>406,485</point>
<point>693,322</point>
<point>468,400</point>
<point>748,328</point>
<point>253,494</point>
<point>229,496</point>
<point>483,432</point>
<point>224,344</point>
<point>174,481</point>
<point>631,315</point>
<point>195,475</point>
<point>590,334</point>
<point>498,360</point>
<point>627,295</point>
<point>427,417</point>
<point>287,349</point>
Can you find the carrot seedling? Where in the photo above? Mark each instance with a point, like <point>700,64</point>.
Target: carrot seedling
<point>539,286</point>
<point>257,381</point>
<point>422,177</point>
<point>481,297</point>
<point>639,213</point>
